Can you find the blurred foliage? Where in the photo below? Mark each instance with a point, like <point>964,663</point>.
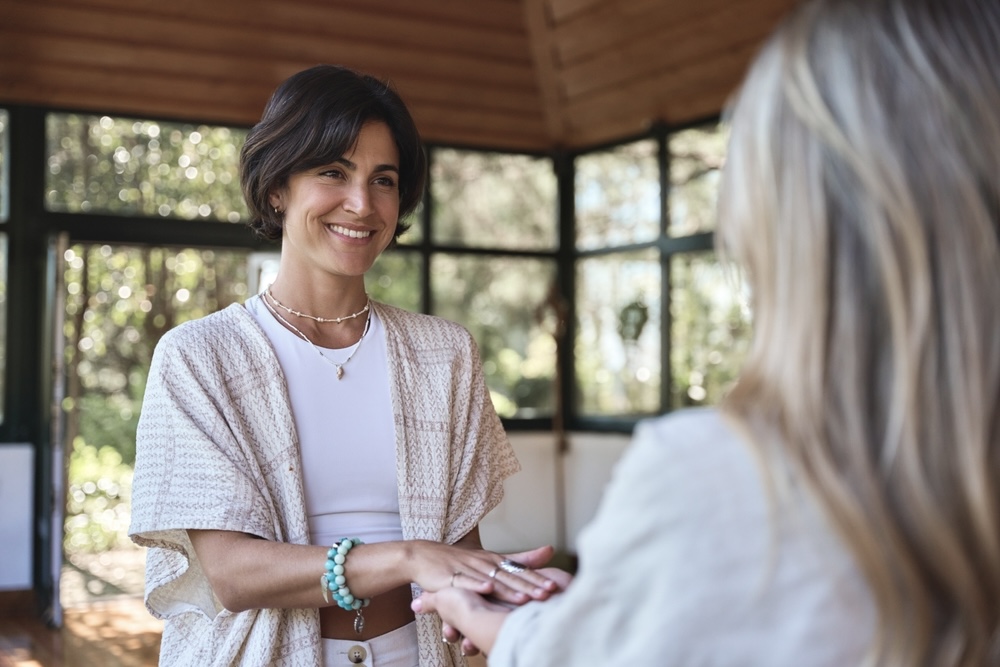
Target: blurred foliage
<point>3,321</point>
<point>696,158</point>
<point>99,164</point>
<point>4,176</point>
<point>395,279</point>
<point>97,499</point>
<point>119,302</point>
<point>618,202</point>
<point>711,330</point>
<point>617,370</point>
<point>4,210</point>
<point>493,200</point>
<point>501,301</point>
<point>617,195</point>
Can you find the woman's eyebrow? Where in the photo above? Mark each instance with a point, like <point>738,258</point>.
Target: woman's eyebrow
<point>353,167</point>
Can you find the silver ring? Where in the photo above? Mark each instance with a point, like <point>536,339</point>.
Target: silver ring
<point>454,574</point>
<point>493,572</point>
<point>512,566</point>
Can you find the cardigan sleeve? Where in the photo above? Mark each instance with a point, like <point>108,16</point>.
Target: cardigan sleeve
<point>192,472</point>
<point>482,456</point>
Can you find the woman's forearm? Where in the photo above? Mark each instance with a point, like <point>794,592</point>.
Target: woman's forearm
<point>247,572</point>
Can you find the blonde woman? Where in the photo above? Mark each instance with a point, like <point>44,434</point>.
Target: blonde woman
<point>844,507</point>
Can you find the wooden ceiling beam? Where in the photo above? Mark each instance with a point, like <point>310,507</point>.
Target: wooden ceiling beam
<point>203,100</point>
<point>146,61</point>
<point>673,51</point>
<point>539,24</point>
<point>383,59</point>
<point>657,96</point>
<point>610,26</point>
<point>335,21</point>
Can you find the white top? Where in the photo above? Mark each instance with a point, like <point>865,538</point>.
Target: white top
<point>345,429</point>
<point>684,565</point>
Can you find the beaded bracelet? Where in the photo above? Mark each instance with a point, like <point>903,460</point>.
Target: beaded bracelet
<point>334,580</point>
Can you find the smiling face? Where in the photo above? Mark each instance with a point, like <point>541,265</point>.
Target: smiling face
<point>340,216</point>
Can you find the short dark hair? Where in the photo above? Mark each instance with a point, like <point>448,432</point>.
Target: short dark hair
<point>313,118</point>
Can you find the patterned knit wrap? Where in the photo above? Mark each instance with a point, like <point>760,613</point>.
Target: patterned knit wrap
<point>217,449</point>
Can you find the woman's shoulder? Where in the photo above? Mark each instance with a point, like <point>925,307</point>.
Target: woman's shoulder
<point>420,325</point>
<point>227,329</point>
<point>689,447</point>
<point>693,429</point>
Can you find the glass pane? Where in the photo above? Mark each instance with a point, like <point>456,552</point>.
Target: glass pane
<point>4,159</point>
<point>617,348</point>
<point>395,279</point>
<point>696,156</point>
<point>711,329</point>
<point>415,234</point>
<point>100,164</point>
<point>119,301</point>
<point>618,196</point>
<point>493,200</point>
<point>3,322</point>
<point>500,300</point>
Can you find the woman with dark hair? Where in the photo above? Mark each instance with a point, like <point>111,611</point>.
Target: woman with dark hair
<point>843,508</point>
<point>307,460</point>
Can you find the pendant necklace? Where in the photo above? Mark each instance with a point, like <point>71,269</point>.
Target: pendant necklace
<point>338,366</point>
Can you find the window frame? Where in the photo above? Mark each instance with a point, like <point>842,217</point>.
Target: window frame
<point>30,225</point>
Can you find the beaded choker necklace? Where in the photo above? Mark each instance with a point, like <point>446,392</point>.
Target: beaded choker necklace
<point>322,320</point>
<point>338,366</point>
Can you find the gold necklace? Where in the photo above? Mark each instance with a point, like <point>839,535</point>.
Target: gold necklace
<point>340,366</point>
<point>322,320</point>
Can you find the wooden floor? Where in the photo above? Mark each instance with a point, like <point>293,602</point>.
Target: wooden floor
<point>118,633</point>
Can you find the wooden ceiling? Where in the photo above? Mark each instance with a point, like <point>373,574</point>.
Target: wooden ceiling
<point>519,74</point>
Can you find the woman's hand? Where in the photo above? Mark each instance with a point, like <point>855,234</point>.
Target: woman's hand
<point>472,619</point>
<point>465,613</point>
<point>511,578</point>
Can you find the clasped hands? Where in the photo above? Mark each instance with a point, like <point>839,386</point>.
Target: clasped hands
<point>474,604</point>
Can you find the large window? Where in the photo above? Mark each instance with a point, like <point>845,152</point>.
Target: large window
<point>100,164</point>
<point>618,196</point>
<point>494,235</point>
<point>4,159</point>
<point>493,200</point>
<point>4,214</point>
<point>119,301</point>
<point>658,322</point>
<point>3,322</point>
<point>696,157</point>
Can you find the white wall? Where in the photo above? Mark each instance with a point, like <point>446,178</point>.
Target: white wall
<point>17,474</point>
<point>528,516</point>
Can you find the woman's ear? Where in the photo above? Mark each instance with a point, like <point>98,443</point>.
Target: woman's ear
<point>275,200</point>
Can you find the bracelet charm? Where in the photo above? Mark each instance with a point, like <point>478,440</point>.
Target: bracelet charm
<point>334,581</point>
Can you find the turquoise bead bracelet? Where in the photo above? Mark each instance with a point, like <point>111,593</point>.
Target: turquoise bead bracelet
<point>334,580</point>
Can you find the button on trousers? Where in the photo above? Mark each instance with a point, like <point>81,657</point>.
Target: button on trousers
<point>393,649</point>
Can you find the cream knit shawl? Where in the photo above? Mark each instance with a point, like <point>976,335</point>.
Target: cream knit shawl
<point>217,449</point>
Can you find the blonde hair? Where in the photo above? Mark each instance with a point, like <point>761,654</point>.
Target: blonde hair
<point>861,197</point>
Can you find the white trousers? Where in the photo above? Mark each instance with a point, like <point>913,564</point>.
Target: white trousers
<point>393,649</point>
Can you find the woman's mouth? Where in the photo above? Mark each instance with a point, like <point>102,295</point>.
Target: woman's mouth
<point>350,233</point>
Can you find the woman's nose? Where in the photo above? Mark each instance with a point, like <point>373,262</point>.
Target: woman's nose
<point>357,199</point>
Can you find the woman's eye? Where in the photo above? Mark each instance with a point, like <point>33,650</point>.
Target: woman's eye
<point>386,181</point>
<point>332,173</point>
